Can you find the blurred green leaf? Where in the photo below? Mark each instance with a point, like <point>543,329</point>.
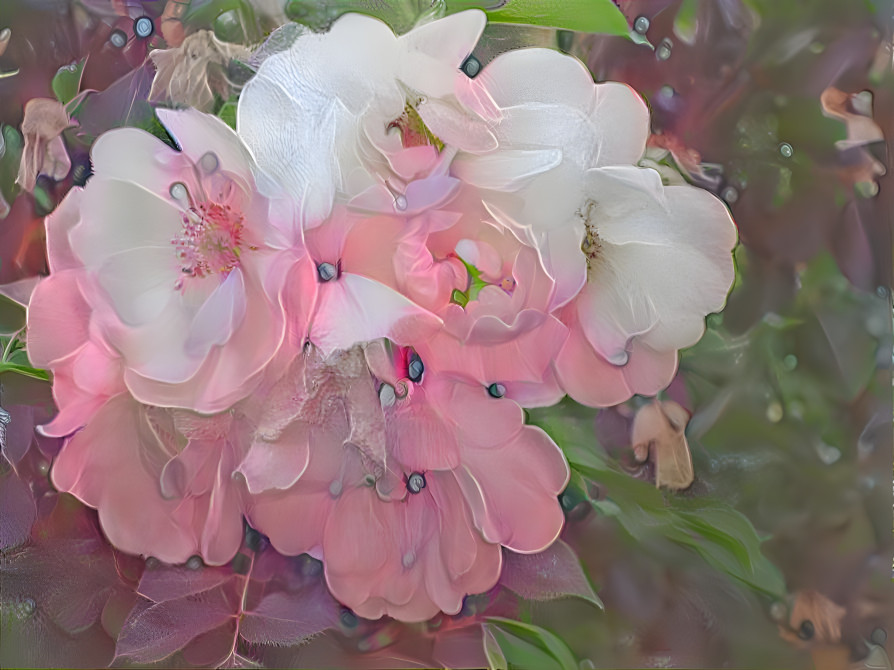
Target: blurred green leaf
<point>34,373</point>
<point>227,114</point>
<point>67,81</point>
<point>12,316</point>
<point>513,644</point>
<point>587,16</point>
<point>11,145</point>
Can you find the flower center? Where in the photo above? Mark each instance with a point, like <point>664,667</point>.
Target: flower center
<point>210,241</point>
<point>592,244</point>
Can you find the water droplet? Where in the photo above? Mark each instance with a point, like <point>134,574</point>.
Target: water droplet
<point>194,563</point>
<point>118,39</point>
<point>785,150</point>
<point>879,636</point>
<point>790,362</point>
<point>209,162</point>
<point>778,611</point>
<point>408,559</point>
<point>369,480</point>
<point>415,369</point>
<point>143,27</point>
<point>663,52</point>
<point>667,91</point>
<point>335,488</point>
<point>641,25</point>
<point>178,191</point>
<point>400,203</point>
<point>729,194</point>
<point>416,482</point>
<point>619,358</point>
<point>496,390</point>
<point>387,396</point>
<point>827,453</point>
<point>327,272</point>
<point>881,291</point>
<point>471,67</point>
<point>774,412</point>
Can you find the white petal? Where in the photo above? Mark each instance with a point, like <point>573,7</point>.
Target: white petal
<point>118,216</point>
<point>140,282</point>
<point>131,154</point>
<point>353,309</point>
<point>221,314</point>
<point>198,134</point>
<point>506,170</point>
<point>455,127</point>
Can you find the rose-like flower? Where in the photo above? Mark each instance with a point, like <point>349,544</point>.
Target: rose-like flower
<point>160,478</point>
<point>636,264</point>
<point>552,123</point>
<point>408,506</point>
<point>658,260</point>
<point>169,253</point>
<point>330,117</point>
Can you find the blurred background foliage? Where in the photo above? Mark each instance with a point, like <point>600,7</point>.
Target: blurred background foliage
<point>779,554</point>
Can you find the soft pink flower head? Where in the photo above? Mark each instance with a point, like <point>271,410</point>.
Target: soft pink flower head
<point>160,479</point>
<point>166,257</point>
<point>412,527</point>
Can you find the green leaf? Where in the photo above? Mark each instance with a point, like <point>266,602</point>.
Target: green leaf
<point>67,81</point>
<point>513,644</point>
<point>28,371</point>
<point>587,16</point>
<point>227,114</point>
<point>11,145</point>
<point>12,316</point>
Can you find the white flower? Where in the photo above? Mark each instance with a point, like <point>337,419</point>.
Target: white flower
<point>552,123</point>
<point>327,118</point>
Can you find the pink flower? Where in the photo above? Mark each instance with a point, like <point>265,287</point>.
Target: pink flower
<point>344,291</point>
<point>408,506</point>
<point>166,256</point>
<point>160,478</point>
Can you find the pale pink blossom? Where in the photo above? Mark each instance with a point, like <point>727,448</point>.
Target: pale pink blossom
<point>408,506</point>
<point>170,253</point>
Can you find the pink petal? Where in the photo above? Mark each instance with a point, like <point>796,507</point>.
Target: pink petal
<point>513,490</point>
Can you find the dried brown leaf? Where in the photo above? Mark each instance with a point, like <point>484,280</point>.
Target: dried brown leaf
<point>659,428</point>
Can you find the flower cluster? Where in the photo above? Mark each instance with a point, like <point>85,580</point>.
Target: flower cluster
<point>330,321</point>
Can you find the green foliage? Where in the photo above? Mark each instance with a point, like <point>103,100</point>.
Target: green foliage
<point>721,536</point>
<point>512,644</point>
<point>11,146</point>
<point>14,359</point>
<point>588,16</point>
<point>591,16</point>
<point>67,81</point>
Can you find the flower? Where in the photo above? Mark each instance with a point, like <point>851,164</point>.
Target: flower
<point>659,259</point>
<point>330,117</point>
<point>636,264</point>
<point>406,497</point>
<point>551,123</point>
<point>160,478</point>
<point>167,257</point>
